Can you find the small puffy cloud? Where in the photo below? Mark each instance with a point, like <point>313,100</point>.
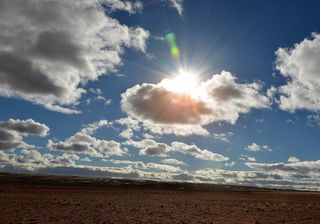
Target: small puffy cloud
<point>163,167</point>
<point>147,135</point>
<point>313,120</point>
<point>193,150</point>
<point>230,164</point>
<point>103,99</point>
<point>247,158</point>
<point>25,127</point>
<point>68,146</point>
<point>136,164</point>
<point>129,6</point>
<point>223,136</point>
<point>49,50</point>
<point>177,5</point>
<point>251,159</point>
<point>259,120</point>
<point>91,146</point>
<point>93,127</point>
<point>86,159</point>
<point>83,142</point>
<point>150,147</point>
<point>98,97</point>
<point>300,66</point>
<point>253,147</point>
<point>12,132</point>
<point>128,122</point>
<point>127,134</point>
<point>293,159</point>
<point>174,162</point>
<point>164,110</point>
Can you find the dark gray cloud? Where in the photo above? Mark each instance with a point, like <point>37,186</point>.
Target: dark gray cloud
<point>6,135</point>
<point>6,145</point>
<point>157,104</point>
<point>74,147</point>
<point>149,147</point>
<point>155,151</point>
<point>12,132</point>
<point>20,74</point>
<point>58,46</point>
<point>28,127</point>
<point>226,92</point>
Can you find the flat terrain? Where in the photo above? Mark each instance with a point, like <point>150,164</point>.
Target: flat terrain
<point>54,199</point>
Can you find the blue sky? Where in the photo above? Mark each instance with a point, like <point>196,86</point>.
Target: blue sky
<point>90,88</point>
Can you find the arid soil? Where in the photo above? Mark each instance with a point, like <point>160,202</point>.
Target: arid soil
<point>27,200</point>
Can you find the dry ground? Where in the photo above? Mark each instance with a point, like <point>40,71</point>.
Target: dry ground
<point>38,203</point>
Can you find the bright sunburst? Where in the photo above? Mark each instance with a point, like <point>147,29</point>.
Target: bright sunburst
<point>184,81</point>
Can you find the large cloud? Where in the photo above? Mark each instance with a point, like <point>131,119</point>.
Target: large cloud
<point>220,98</point>
<point>50,49</point>
<point>12,132</point>
<point>156,103</point>
<point>301,66</point>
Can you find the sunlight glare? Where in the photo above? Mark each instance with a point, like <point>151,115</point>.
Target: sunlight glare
<point>184,82</point>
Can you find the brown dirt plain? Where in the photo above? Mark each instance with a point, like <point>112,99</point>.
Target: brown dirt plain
<point>59,199</point>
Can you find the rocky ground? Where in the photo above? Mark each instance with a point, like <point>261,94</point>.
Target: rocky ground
<point>26,200</point>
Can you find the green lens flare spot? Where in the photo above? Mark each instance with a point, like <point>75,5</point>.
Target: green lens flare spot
<point>174,49</point>
<point>171,39</point>
<point>175,52</point>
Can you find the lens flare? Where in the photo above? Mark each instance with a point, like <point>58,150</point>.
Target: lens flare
<point>174,49</point>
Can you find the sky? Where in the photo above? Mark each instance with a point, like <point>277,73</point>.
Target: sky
<point>92,88</point>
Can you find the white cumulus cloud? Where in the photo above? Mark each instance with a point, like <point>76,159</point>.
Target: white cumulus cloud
<point>49,50</point>
<point>253,147</point>
<point>300,66</point>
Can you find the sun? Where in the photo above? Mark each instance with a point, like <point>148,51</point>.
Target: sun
<point>184,82</point>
